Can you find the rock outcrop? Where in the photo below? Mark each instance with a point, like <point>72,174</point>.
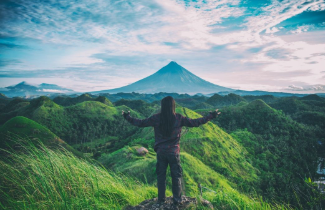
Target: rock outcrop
<point>142,151</point>
<point>188,203</point>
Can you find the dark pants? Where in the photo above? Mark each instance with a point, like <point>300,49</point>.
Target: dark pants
<point>173,160</point>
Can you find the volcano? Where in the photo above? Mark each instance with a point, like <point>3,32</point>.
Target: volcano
<point>172,78</point>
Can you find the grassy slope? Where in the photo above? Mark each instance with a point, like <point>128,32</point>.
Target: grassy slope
<point>309,110</point>
<point>26,128</point>
<point>284,151</point>
<point>82,122</point>
<point>40,178</point>
<point>195,171</point>
<point>216,148</point>
<point>21,128</point>
<point>47,179</point>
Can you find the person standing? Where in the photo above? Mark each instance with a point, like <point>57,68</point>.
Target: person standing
<point>167,128</point>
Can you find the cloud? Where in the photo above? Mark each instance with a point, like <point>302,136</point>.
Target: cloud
<point>93,41</point>
<point>277,12</point>
<point>53,91</point>
<point>317,7</point>
<point>127,26</point>
<point>120,23</point>
<point>302,29</point>
<point>312,37</point>
<point>294,87</point>
<point>280,54</point>
<point>316,88</point>
<point>272,30</point>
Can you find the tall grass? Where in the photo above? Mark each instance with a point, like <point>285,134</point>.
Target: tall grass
<point>231,200</point>
<point>41,178</point>
<point>36,177</point>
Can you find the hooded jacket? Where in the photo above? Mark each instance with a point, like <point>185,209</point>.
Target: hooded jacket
<point>168,144</point>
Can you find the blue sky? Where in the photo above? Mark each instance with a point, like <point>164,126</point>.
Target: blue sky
<point>89,45</point>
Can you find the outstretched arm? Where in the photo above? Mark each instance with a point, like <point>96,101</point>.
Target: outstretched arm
<point>137,122</point>
<point>188,122</point>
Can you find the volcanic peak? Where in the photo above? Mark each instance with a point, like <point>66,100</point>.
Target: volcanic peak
<point>172,67</point>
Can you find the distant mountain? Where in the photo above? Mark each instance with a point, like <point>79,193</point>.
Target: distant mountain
<point>52,87</point>
<point>27,90</point>
<point>23,86</point>
<point>172,78</point>
<point>313,97</point>
<point>260,93</point>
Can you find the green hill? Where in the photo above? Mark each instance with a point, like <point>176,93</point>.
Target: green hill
<point>312,97</point>
<point>19,129</point>
<point>69,101</point>
<point>309,110</point>
<point>80,123</point>
<point>24,127</point>
<point>104,100</point>
<point>220,101</point>
<point>265,98</point>
<point>284,151</point>
<point>140,106</point>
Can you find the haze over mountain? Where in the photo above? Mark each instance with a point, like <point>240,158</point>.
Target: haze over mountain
<point>27,90</point>
<point>172,78</point>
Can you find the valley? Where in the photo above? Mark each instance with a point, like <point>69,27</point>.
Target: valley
<point>260,146</point>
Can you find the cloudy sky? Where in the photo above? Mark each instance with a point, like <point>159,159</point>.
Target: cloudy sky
<point>88,45</point>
